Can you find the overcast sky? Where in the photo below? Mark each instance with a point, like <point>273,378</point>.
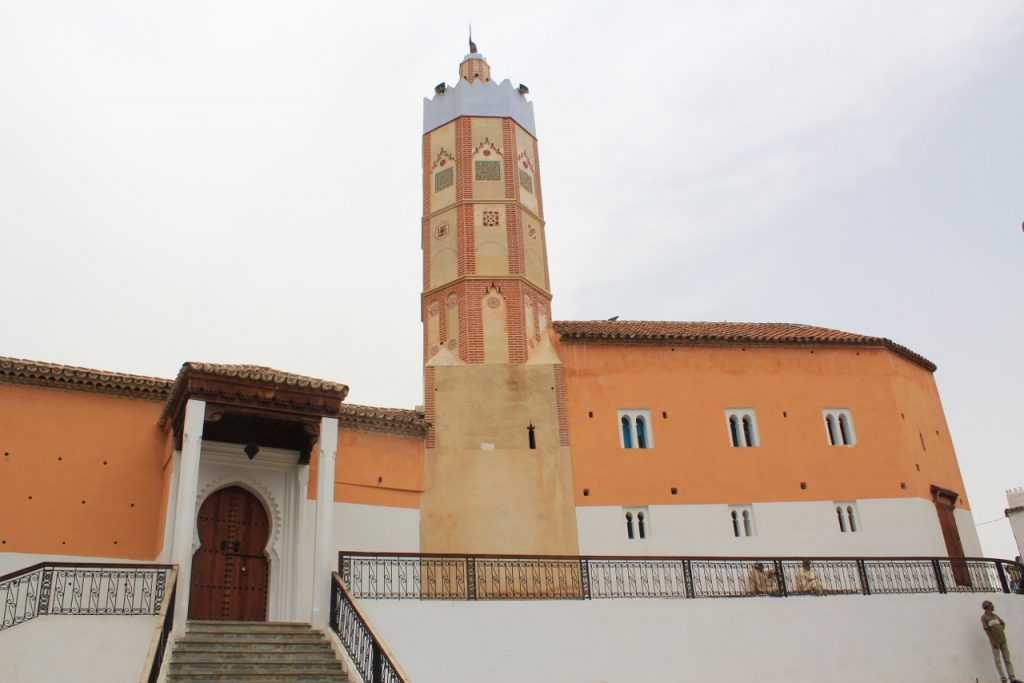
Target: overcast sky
<point>239,182</point>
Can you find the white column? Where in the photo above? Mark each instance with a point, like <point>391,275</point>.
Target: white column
<point>324,551</point>
<point>185,509</point>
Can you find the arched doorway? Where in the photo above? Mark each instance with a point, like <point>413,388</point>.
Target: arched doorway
<point>230,571</point>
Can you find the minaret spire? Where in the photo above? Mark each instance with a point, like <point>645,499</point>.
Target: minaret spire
<point>472,45</point>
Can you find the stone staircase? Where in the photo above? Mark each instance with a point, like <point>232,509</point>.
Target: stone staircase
<point>246,651</point>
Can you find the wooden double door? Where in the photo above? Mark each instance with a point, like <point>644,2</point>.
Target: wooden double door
<point>229,571</point>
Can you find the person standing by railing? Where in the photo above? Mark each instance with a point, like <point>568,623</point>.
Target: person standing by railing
<point>761,581</point>
<point>807,580</point>
<point>995,629</point>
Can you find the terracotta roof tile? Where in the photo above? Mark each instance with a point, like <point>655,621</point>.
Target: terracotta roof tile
<point>410,422</point>
<point>722,334</point>
<point>53,376</point>
<point>264,374</point>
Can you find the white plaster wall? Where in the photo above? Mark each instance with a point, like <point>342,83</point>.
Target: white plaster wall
<point>376,528</point>
<point>881,639</point>
<point>83,649</point>
<point>968,533</point>
<point>356,527</point>
<point>888,526</point>
<point>1015,498</point>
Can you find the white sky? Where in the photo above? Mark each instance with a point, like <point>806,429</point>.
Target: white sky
<point>240,182</point>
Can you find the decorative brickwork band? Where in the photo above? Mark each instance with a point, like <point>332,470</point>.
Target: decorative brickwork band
<point>508,141</point>
<point>429,405</point>
<point>562,405</point>
<point>464,156</point>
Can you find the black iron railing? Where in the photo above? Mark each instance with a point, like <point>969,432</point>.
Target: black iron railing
<point>372,659</point>
<point>155,659</point>
<point>498,577</point>
<point>69,588</point>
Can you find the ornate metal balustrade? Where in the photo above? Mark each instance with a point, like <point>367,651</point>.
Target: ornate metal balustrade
<point>68,588</point>
<point>374,662</point>
<point>398,576</point>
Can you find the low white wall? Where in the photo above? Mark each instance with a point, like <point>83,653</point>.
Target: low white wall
<point>84,649</point>
<point>887,526</point>
<point>839,639</point>
<point>376,528</point>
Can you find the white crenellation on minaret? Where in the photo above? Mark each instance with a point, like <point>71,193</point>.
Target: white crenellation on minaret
<point>478,98</point>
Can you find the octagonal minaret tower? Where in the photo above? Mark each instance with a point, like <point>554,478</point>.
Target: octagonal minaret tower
<point>497,454</point>
<point>483,221</point>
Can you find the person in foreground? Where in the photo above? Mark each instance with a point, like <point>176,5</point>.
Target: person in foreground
<point>995,628</point>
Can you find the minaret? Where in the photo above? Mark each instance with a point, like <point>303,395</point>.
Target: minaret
<point>498,469</point>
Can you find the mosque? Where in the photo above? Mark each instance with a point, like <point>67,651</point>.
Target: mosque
<point>536,436</point>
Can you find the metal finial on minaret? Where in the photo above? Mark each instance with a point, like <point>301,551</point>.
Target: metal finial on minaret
<point>472,45</point>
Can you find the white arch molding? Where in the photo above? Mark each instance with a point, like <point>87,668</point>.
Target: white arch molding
<point>278,482</point>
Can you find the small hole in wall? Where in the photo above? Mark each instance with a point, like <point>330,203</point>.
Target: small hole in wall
<point>917,466</point>
<point>59,458</point>
<point>3,542</point>
<point>936,432</point>
<point>812,352</point>
<point>672,349</point>
<point>903,485</point>
<point>803,484</point>
<point>674,490</point>
<point>30,497</point>
<point>131,505</point>
<point>586,492</point>
<point>785,414</point>
<point>83,502</point>
<point>664,414</point>
<point>115,542</point>
<point>380,480</point>
<point>104,462</point>
<point>63,542</point>
<point>902,416</point>
<point>590,413</point>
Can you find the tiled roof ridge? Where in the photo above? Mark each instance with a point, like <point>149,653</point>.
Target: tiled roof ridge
<point>702,333</point>
<point>375,418</point>
<point>264,373</point>
<point>73,378</point>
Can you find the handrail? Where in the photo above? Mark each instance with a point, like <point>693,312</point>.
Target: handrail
<point>73,588</point>
<point>541,556</point>
<point>445,576</point>
<point>84,565</point>
<point>161,634</point>
<point>373,660</point>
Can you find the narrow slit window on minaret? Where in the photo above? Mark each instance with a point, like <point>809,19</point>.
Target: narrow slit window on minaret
<point>531,431</point>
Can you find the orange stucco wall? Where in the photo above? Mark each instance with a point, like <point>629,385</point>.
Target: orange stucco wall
<point>374,468</point>
<point>688,389</point>
<point>81,474</point>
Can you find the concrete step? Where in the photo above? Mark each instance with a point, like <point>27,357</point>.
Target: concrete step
<point>266,637</point>
<point>256,646</point>
<point>323,654</point>
<point>247,626</point>
<point>246,652</point>
<point>229,666</point>
<point>257,678</point>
